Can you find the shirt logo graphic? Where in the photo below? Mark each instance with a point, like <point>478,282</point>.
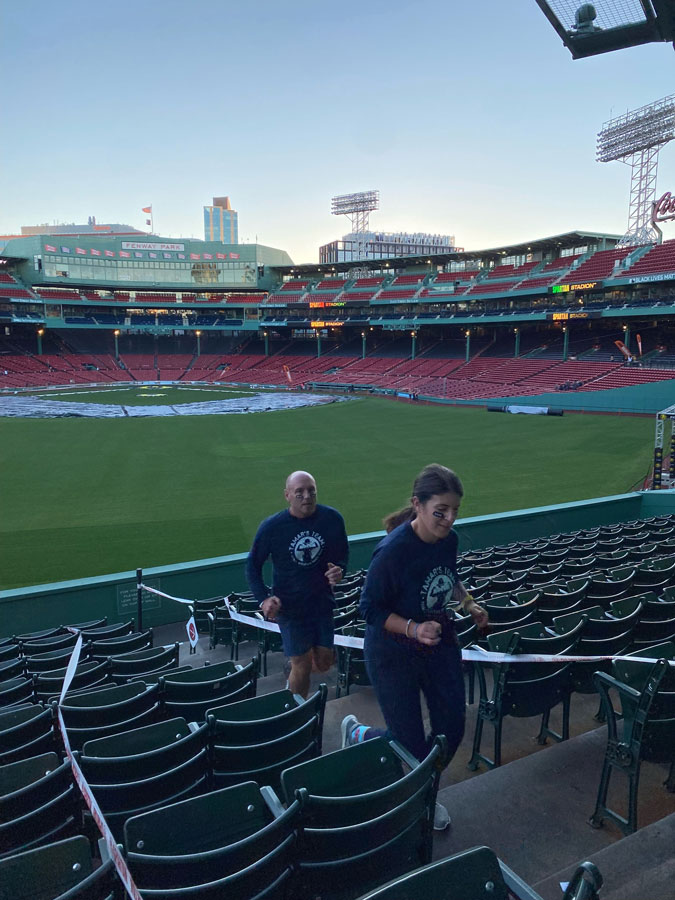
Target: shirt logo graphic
<point>306,547</point>
<point>437,589</point>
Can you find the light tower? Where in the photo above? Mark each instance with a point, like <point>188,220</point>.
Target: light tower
<point>635,139</point>
<point>357,208</point>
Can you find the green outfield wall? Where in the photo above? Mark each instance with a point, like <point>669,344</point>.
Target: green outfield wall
<point>48,605</point>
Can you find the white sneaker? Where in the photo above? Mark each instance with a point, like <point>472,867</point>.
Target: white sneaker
<point>441,818</point>
<point>349,723</point>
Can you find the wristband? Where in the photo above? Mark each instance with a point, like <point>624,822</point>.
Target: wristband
<point>407,627</point>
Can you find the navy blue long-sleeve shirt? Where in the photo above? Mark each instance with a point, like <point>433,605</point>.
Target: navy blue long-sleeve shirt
<point>411,578</point>
<point>301,550</point>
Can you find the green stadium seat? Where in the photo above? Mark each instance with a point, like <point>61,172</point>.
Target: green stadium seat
<point>264,736</point>
<point>477,874</point>
<point>63,870</point>
<point>220,629</point>
<point>97,714</point>
<point>236,842</point>
<point>38,803</point>
<point>87,674</point>
<point>10,653</point>
<point>52,660</point>
<point>25,731</point>
<point>363,818</point>
<point>522,690</point>
<point>139,663</point>
<point>142,752</point>
<point>126,643</point>
<point>58,642</point>
<point>11,669</point>
<point>16,690</point>
<point>351,664</point>
<point>105,632</point>
<point>191,694</point>
<point>644,729</point>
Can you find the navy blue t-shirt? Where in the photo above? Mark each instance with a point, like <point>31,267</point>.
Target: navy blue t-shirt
<point>411,578</point>
<point>301,550</point>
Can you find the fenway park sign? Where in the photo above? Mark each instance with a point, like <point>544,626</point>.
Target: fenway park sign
<point>663,209</point>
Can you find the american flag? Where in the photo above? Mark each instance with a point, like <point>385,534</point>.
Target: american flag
<point>81,251</point>
<point>152,255</point>
<point>208,256</point>
<point>166,255</point>
<point>125,254</point>
<point>109,252</point>
<point>94,252</point>
<point>195,256</point>
<point>138,255</point>
<point>65,249</point>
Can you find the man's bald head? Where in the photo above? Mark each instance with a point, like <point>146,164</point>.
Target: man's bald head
<point>295,475</point>
<point>300,492</point>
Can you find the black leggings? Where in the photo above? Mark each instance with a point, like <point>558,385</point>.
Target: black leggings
<point>399,674</point>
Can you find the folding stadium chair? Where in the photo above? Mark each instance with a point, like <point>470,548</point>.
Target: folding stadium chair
<point>142,752</point>
<point>645,729</point>
<point>58,642</point>
<point>220,628</point>
<point>11,669</point>
<point>201,610</point>
<point>477,874</point>
<point>237,842</point>
<point>363,818</point>
<point>126,643</point>
<point>105,632</point>
<point>191,694</point>
<point>256,739</point>
<point>522,690</point>
<point>53,660</point>
<point>25,731</point>
<point>87,674</point>
<point>140,663</point>
<point>97,714</point>
<point>122,799</point>
<point>64,869</point>
<point>39,803</point>
<point>16,690</point>
<point>351,664</point>
<point>10,653</point>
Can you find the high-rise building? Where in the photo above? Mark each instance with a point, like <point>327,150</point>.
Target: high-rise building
<point>221,222</point>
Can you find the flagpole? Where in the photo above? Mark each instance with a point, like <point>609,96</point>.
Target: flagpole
<point>152,220</point>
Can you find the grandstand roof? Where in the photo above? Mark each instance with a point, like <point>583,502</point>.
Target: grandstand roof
<point>554,244</point>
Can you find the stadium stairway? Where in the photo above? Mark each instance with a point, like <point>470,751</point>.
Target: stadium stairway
<point>533,810</point>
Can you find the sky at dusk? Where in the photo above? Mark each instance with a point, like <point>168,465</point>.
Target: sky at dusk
<point>471,119</point>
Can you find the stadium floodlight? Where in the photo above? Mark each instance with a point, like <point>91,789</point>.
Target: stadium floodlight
<point>636,139</point>
<point>357,207</point>
<point>587,29</point>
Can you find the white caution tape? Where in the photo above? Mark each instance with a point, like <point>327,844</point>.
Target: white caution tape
<point>468,655</point>
<point>342,640</point>
<point>118,860</point>
<point>151,590</point>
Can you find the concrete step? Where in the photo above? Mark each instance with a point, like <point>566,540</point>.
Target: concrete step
<point>534,811</point>
<point>639,867</point>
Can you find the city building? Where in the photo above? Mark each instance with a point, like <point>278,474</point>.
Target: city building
<point>221,222</point>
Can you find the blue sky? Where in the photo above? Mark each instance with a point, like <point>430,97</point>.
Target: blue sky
<point>470,119</point>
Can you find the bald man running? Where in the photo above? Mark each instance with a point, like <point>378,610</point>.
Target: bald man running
<point>309,550</point>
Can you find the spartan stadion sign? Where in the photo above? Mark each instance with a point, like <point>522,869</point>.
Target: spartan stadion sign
<point>663,209</point>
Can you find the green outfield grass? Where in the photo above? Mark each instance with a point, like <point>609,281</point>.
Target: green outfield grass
<point>152,395</point>
<point>83,497</point>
